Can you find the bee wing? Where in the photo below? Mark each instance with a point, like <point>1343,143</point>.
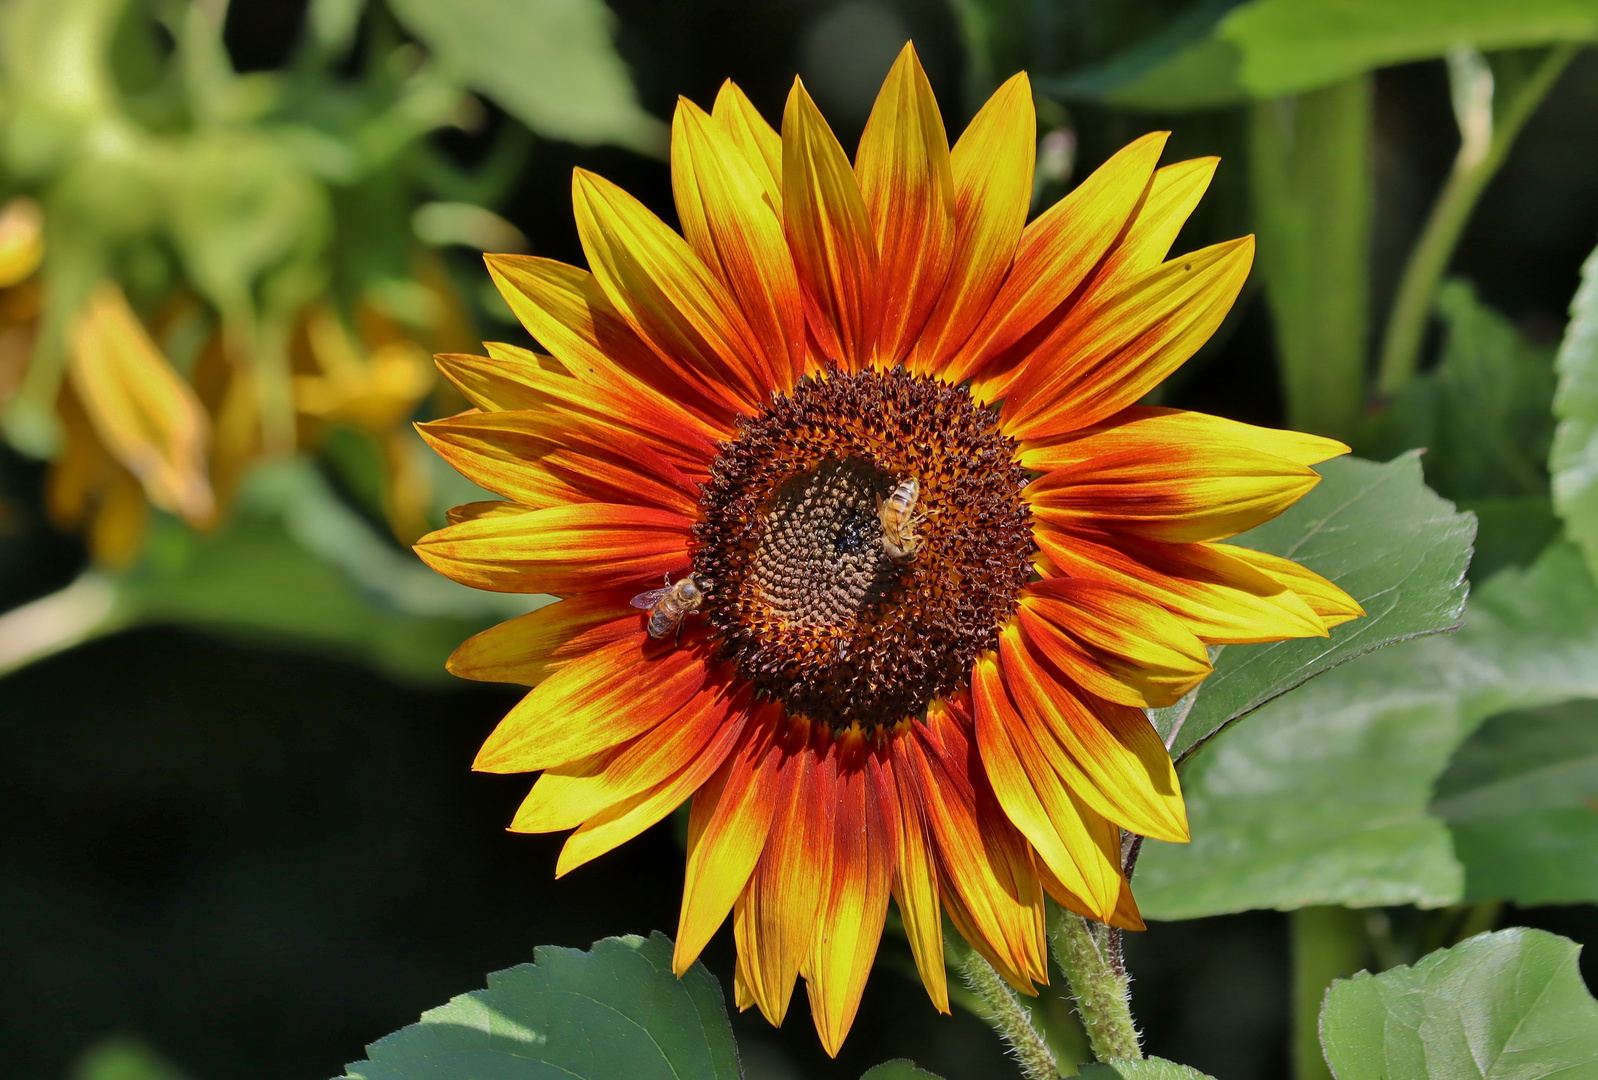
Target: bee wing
<point>647,600</point>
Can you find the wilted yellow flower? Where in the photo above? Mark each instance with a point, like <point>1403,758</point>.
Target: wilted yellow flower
<point>373,387</point>
<point>21,251</point>
<point>21,240</point>
<point>134,430</point>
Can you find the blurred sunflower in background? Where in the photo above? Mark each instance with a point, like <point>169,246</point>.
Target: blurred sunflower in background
<point>925,558</point>
<point>219,293</point>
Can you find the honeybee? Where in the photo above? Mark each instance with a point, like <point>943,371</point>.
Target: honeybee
<point>899,519</point>
<point>668,607</point>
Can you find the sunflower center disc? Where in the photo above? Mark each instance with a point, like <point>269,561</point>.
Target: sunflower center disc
<point>805,598</point>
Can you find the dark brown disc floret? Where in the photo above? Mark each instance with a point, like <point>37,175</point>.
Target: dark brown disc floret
<point>806,599</point>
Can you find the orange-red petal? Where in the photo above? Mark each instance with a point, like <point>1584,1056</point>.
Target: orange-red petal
<point>1109,755</point>
<point>596,702</point>
<point>1222,598</point>
<point>540,460</point>
<point>624,819</point>
<point>1100,360</point>
<point>1171,494</point>
<point>865,849</point>
<point>915,883</point>
<point>567,795</point>
<point>987,880</point>
<point>562,549</point>
<point>668,296</point>
<point>727,219</point>
<point>511,379</point>
<point>1155,431</point>
<point>1077,844</point>
<point>776,914</point>
<point>1058,250</point>
<point>908,188</point>
<point>727,829</point>
<point>1092,629</point>
<point>829,234</point>
<point>529,648</point>
<point>991,167</point>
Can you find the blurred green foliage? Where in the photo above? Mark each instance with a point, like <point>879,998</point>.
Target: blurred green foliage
<point>284,237</point>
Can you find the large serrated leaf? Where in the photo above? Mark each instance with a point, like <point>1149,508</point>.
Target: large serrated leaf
<point>1574,458</point>
<point>1502,1005</point>
<point>1322,797</point>
<point>549,63</point>
<point>898,1070</point>
<point>614,1011</point>
<point>1380,534</point>
<point>1140,1069</point>
<point>1521,798</point>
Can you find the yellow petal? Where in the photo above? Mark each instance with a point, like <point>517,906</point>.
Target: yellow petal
<point>148,417</point>
<point>1149,429</point>
<point>1058,250</point>
<point>908,188</point>
<point>829,234</point>
<point>1331,604</point>
<point>1109,755</point>
<point>729,221</point>
<point>991,166</point>
<point>1101,360</point>
<point>755,140</point>
<point>668,295</point>
<point>21,240</point>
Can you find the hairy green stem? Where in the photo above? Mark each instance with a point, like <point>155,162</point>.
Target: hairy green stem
<point>1090,956</point>
<point>1328,943</point>
<point>1009,1017</point>
<point>1473,168</point>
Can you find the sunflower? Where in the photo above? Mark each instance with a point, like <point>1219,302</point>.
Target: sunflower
<point>938,559</point>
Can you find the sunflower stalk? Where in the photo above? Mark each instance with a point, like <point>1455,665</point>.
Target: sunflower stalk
<point>1090,956</point>
<point>1486,135</point>
<point>1011,1019</point>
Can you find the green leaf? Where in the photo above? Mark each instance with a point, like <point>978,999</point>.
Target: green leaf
<point>899,1069</point>
<point>1483,413</point>
<point>1319,798</point>
<point>1141,1069</point>
<point>614,1011</point>
<point>1186,66</point>
<point>1508,1004</point>
<point>1311,183</point>
<point>121,1058</point>
<point>1511,530</point>
<point>1521,797</point>
<point>297,567</point>
<point>240,207</point>
<point>1574,459</point>
<point>1322,796</point>
<point>1384,538</point>
<point>549,63</point>
<point>1225,54</point>
<point>1293,45</point>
